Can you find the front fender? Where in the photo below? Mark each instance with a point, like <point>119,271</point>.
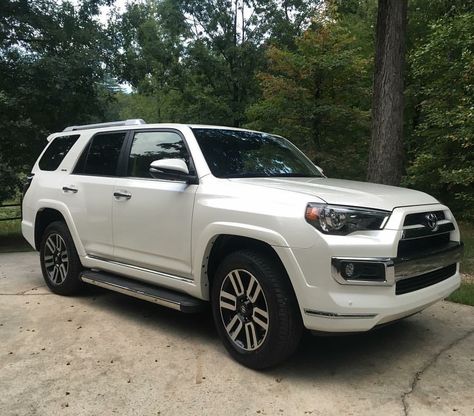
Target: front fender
<point>208,237</point>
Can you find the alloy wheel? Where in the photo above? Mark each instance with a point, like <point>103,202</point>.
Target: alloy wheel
<point>244,309</point>
<point>56,260</point>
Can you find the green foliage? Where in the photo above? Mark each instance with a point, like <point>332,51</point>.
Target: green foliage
<point>312,96</point>
<point>52,58</point>
<point>9,181</point>
<point>442,147</point>
<point>199,59</point>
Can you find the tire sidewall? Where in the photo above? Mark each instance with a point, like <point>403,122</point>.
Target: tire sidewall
<point>258,358</point>
<point>72,282</point>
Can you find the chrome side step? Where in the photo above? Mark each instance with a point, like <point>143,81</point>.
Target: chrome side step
<point>165,297</point>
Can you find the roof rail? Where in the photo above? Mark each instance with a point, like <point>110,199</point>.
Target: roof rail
<point>129,122</point>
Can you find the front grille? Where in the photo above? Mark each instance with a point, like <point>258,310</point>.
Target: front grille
<point>419,218</point>
<point>424,280</point>
<point>419,246</point>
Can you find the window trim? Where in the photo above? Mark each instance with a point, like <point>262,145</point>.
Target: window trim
<point>87,147</point>
<point>125,157</point>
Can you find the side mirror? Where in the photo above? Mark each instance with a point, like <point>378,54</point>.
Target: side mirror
<point>172,169</point>
<point>320,170</point>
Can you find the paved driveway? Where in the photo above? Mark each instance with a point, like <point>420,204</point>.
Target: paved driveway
<point>107,354</point>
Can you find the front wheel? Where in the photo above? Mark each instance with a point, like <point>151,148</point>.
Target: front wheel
<point>255,309</point>
<point>60,263</point>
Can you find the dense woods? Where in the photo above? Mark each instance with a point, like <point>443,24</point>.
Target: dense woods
<point>300,68</point>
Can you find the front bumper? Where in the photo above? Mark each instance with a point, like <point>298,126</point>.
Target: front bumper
<point>377,310</point>
<point>434,274</point>
<point>331,302</point>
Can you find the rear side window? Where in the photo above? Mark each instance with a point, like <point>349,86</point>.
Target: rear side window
<point>56,151</point>
<point>154,145</point>
<point>101,156</point>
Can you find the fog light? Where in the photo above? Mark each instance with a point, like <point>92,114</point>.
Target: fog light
<point>361,270</point>
<point>349,270</point>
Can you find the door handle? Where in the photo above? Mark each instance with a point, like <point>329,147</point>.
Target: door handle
<point>70,189</point>
<point>122,194</point>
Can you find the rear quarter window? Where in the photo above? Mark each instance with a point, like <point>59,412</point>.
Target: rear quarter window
<point>56,152</point>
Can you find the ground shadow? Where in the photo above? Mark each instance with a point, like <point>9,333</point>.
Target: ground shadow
<point>383,350</point>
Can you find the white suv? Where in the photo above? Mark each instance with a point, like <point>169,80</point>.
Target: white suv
<point>183,214</point>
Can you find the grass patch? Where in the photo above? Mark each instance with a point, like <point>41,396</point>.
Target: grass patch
<point>467,236</point>
<point>464,295</point>
<point>11,239</point>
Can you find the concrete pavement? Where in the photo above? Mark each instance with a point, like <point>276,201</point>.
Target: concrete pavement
<point>106,354</point>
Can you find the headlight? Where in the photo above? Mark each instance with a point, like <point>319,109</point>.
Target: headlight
<point>341,220</point>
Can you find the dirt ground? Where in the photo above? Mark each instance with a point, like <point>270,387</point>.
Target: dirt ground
<point>106,354</point>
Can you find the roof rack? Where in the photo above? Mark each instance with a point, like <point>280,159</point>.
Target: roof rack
<point>129,122</point>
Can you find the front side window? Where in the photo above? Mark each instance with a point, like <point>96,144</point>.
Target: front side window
<point>56,152</point>
<point>244,154</point>
<point>101,156</point>
<point>154,145</point>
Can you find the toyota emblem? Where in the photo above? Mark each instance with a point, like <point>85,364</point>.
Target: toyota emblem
<point>431,221</point>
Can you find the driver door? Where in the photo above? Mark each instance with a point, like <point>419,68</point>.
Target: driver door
<point>152,217</point>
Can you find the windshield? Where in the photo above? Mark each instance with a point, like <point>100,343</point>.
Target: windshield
<point>244,154</point>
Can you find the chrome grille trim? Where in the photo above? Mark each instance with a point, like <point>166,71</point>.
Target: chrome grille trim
<point>414,232</point>
<point>418,218</point>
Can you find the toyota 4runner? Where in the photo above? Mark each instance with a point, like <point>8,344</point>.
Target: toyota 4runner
<point>182,215</point>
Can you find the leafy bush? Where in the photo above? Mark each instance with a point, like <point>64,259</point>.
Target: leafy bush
<point>443,146</point>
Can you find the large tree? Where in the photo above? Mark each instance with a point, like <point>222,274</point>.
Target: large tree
<point>311,96</point>
<point>386,148</point>
<point>197,60</point>
<point>52,57</point>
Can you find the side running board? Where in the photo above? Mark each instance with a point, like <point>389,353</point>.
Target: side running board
<point>165,297</point>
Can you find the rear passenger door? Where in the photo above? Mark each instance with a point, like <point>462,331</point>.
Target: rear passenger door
<point>152,220</point>
<point>89,192</point>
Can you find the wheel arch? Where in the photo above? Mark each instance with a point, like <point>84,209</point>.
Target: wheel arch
<point>44,217</point>
<point>49,213</point>
<point>223,244</point>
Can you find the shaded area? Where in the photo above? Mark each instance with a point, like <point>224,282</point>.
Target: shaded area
<point>105,353</point>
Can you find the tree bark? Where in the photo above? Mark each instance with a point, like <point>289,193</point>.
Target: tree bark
<point>386,147</point>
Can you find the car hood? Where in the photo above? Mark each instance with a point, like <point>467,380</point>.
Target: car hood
<point>345,192</point>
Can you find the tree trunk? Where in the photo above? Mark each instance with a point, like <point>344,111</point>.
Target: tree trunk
<point>386,148</point>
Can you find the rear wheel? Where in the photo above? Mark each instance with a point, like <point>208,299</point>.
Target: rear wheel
<point>60,263</point>
<point>255,309</point>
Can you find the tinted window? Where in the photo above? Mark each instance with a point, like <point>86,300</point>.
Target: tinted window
<point>56,151</point>
<point>101,156</point>
<point>154,145</point>
<point>236,153</point>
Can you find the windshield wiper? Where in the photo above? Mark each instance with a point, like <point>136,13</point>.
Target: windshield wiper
<point>295,175</point>
<point>263,175</point>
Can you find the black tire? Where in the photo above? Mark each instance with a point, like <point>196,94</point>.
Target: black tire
<point>61,276</point>
<point>257,347</point>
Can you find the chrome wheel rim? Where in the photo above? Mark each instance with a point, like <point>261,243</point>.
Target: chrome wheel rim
<point>56,260</point>
<point>244,310</point>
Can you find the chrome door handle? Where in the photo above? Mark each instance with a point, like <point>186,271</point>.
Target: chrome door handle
<point>69,189</point>
<point>122,194</point>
